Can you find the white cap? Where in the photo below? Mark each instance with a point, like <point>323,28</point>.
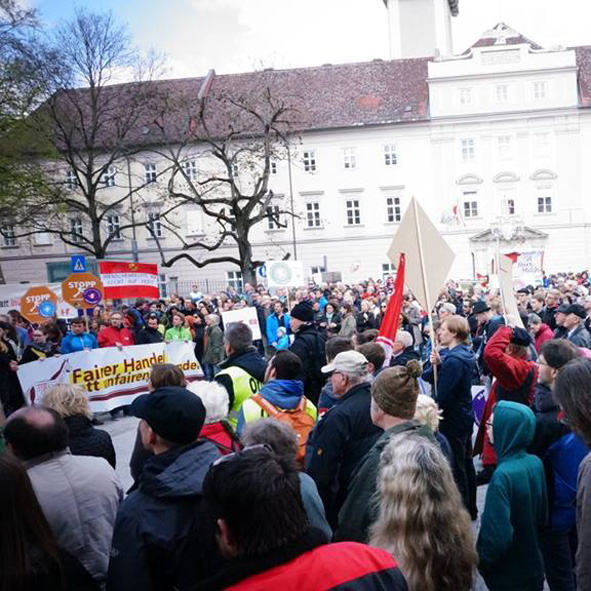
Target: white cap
<point>347,362</point>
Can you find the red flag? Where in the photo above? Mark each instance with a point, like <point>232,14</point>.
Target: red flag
<point>389,326</point>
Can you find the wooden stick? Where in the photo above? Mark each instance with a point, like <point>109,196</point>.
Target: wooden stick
<point>427,300</point>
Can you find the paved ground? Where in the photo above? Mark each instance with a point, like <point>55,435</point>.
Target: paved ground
<point>123,432</point>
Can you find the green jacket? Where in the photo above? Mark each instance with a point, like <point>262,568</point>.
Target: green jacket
<point>213,351</point>
<point>515,509</point>
<point>177,333</point>
<point>360,508</point>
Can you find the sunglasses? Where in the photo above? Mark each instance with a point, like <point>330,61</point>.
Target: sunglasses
<point>237,454</point>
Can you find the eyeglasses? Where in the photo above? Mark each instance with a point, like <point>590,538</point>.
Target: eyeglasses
<point>237,454</point>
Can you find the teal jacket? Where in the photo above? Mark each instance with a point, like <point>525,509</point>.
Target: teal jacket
<point>360,509</point>
<point>516,508</point>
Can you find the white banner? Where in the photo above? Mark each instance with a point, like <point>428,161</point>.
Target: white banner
<point>528,269</point>
<point>247,316</point>
<point>111,377</point>
<point>11,294</point>
<point>285,274</point>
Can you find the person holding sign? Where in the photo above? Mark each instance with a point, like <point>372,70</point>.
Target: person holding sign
<point>78,339</point>
<point>115,335</point>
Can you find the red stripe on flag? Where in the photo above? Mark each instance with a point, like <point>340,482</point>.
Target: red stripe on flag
<point>387,334</point>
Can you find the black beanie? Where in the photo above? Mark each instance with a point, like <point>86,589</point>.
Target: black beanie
<point>303,311</point>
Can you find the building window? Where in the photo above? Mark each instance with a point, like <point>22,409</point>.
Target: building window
<point>273,167</point>
<point>470,204</point>
<point>508,206</point>
<point>544,204</point>
<point>309,158</point>
<point>76,230</point>
<point>190,168</point>
<point>162,285</point>
<point>317,269</point>
<point>540,90</point>
<point>71,179</point>
<point>42,238</point>
<point>273,218</point>
<point>150,173</point>
<point>390,157</point>
<point>468,150</point>
<point>541,145</point>
<point>504,147</point>
<point>465,96</point>
<point>154,224</point>
<point>114,226</point>
<point>502,93</point>
<point>349,158</point>
<point>313,214</point>
<point>8,237</point>
<point>388,269</point>
<point>353,212</point>
<point>393,209</point>
<point>109,177</point>
<point>235,280</point>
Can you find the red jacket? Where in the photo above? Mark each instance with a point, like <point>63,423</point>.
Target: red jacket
<point>544,334</point>
<point>220,435</point>
<point>340,566</point>
<point>109,336</point>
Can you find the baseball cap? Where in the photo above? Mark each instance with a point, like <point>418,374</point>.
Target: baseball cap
<point>563,308</point>
<point>173,413</point>
<point>348,362</point>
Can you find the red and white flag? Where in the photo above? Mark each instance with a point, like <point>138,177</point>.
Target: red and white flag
<point>389,327</point>
<point>129,280</point>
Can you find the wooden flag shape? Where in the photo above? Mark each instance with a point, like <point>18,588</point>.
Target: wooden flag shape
<point>428,256</point>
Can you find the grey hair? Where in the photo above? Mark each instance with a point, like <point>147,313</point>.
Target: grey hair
<point>215,319</point>
<point>214,397</point>
<point>403,337</point>
<point>534,319</point>
<point>280,436</point>
<point>448,307</point>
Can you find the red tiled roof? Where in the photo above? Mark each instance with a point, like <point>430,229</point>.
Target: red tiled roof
<point>584,72</point>
<point>491,36</point>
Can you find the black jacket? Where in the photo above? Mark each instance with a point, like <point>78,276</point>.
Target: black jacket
<point>309,345</point>
<point>548,317</point>
<point>163,538</point>
<point>85,440</point>
<point>149,336</point>
<point>549,428</point>
<point>250,361</point>
<point>337,444</point>
<point>406,355</point>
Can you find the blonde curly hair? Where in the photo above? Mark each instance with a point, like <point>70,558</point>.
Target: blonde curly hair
<point>422,521</point>
<point>428,413</point>
<point>67,401</point>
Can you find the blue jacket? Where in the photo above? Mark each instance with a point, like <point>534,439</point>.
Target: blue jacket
<point>337,444</point>
<point>273,325</point>
<point>163,538</point>
<point>72,343</point>
<point>515,509</point>
<point>454,389</point>
<point>284,394</point>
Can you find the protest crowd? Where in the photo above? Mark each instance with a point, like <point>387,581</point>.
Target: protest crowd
<point>312,458</point>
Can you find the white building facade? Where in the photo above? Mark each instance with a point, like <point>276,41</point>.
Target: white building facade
<point>495,147</point>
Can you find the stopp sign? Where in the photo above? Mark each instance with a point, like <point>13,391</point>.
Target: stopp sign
<point>36,303</point>
<point>74,287</point>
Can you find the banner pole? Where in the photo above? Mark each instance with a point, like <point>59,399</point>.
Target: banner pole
<point>425,288</point>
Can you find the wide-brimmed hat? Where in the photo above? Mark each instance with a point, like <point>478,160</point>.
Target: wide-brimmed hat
<point>479,307</point>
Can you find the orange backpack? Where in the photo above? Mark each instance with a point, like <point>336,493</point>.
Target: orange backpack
<point>300,421</point>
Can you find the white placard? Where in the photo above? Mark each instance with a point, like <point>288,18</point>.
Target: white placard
<point>11,293</point>
<point>285,274</point>
<point>247,316</point>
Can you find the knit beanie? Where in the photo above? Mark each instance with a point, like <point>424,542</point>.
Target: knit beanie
<point>396,389</point>
<point>303,311</point>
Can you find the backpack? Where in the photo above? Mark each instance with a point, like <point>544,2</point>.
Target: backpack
<point>561,463</point>
<point>301,422</point>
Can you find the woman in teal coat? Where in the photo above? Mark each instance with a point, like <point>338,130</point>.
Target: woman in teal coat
<point>516,507</point>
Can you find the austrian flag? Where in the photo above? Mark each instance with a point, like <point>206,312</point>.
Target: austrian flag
<point>129,280</point>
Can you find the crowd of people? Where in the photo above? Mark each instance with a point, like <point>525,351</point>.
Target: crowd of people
<point>309,458</point>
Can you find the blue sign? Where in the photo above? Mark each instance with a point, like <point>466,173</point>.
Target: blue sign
<point>92,296</point>
<point>46,309</point>
<point>262,271</point>
<point>78,263</point>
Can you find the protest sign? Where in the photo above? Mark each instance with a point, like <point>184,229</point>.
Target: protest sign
<point>77,284</point>
<point>247,316</point>
<point>11,294</point>
<point>129,280</point>
<point>285,273</point>
<point>528,268</point>
<point>38,304</point>
<point>110,377</point>
<point>506,288</point>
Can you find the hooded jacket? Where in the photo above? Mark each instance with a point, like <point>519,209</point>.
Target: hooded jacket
<point>543,334</point>
<point>162,537</point>
<point>454,389</point>
<point>78,342</point>
<point>309,345</point>
<point>516,506</point>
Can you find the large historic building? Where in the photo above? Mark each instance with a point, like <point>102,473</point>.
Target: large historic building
<point>492,142</point>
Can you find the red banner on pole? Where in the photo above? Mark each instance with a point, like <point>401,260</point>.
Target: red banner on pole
<point>129,280</point>
<point>391,320</point>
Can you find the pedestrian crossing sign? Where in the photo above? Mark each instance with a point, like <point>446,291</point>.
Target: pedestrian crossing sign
<point>78,263</point>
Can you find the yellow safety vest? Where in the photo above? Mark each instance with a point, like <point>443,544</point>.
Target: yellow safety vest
<point>244,386</point>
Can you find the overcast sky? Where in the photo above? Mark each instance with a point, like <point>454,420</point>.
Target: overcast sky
<point>241,35</point>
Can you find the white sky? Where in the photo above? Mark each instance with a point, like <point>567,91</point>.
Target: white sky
<point>241,35</point>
